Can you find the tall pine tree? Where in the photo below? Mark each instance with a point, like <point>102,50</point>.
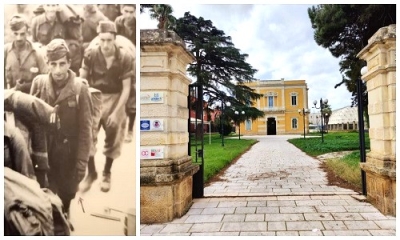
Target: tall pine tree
<point>219,66</point>
<point>344,29</point>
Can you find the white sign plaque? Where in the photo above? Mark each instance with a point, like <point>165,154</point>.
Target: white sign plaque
<point>151,124</point>
<point>152,152</point>
<point>151,97</point>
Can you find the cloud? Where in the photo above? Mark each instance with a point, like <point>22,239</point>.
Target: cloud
<point>280,43</point>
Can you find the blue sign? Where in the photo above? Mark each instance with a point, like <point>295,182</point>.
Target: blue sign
<point>144,125</point>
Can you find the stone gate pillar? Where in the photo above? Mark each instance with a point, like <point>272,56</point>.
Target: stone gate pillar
<point>380,166</point>
<point>166,169</point>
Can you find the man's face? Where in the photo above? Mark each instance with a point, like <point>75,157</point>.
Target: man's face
<point>128,12</point>
<point>106,42</point>
<point>20,36</point>
<point>50,9</point>
<point>59,69</point>
<point>90,8</point>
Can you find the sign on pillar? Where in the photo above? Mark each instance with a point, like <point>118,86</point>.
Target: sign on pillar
<point>154,152</point>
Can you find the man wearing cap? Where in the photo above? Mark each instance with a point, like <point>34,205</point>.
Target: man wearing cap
<point>126,26</point>
<point>70,142</point>
<point>47,26</point>
<point>39,10</point>
<point>108,68</point>
<point>22,61</point>
<point>60,21</point>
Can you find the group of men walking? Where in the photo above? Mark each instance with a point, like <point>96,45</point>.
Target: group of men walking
<point>78,88</point>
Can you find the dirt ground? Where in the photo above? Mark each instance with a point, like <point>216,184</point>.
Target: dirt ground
<point>334,179</point>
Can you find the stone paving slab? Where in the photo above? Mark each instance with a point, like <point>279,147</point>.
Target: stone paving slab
<point>288,195</point>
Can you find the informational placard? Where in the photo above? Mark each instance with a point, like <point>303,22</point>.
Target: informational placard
<point>151,97</point>
<point>152,152</point>
<point>151,125</point>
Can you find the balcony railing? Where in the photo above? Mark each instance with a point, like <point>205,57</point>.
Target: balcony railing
<point>273,109</point>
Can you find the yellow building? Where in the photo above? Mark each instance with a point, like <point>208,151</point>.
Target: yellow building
<point>281,101</point>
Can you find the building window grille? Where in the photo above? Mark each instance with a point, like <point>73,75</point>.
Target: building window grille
<point>294,123</point>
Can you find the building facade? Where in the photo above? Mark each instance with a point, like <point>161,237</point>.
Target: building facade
<point>281,101</point>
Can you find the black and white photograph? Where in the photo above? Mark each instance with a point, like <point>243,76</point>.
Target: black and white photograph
<point>69,119</point>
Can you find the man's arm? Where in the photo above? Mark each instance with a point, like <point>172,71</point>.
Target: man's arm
<point>43,69</point>
<point>126,76</point>
<point>84,70</point>
<point>85,130</point>
<point>6,79</point>
<point>21,156</point>
<point>83,73</point>
<point>35,87</point>
<point>126,87</point>
<point>33,27</point>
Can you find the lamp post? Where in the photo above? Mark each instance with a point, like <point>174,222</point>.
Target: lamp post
<point>326,121</point>
<point>238,113</point>
<point>228,104</point>
<point>361,133</point>
<point>321,106</point>
<point>303,113</point>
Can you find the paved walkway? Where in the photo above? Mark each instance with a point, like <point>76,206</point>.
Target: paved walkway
<point>115,204</point>
<point>276,190</point>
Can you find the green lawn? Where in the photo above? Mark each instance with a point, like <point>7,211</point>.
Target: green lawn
<point>217,157</point>
<point>333,142</point>
<point>347,167</point>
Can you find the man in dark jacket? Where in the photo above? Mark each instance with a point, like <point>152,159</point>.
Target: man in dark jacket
<point>70,143</point>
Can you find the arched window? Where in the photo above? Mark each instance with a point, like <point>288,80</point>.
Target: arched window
<point>248,125</point>
<point>294,123</point>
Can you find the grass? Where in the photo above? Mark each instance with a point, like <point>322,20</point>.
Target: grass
<point>333,142</point>
<point>217,157</point>
<point>347,167</point>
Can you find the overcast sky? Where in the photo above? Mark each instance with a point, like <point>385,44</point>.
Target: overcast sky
<point>280,44</point>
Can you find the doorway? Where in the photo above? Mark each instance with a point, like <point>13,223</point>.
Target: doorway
<point>271,126</point>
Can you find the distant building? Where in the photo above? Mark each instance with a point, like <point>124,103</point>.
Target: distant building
<point>314,118</point>
<point>281,101</point>
<point>345,118</point>
<point>207,117</point>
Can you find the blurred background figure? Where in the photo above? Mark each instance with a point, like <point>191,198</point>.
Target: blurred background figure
<point>126,23</point>
<point>92,16</point>
<point>111,11</point>
<point>60,21</point>
<point>22,61</point>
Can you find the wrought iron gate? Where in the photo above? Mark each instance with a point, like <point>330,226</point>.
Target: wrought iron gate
<point>196,136</point>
